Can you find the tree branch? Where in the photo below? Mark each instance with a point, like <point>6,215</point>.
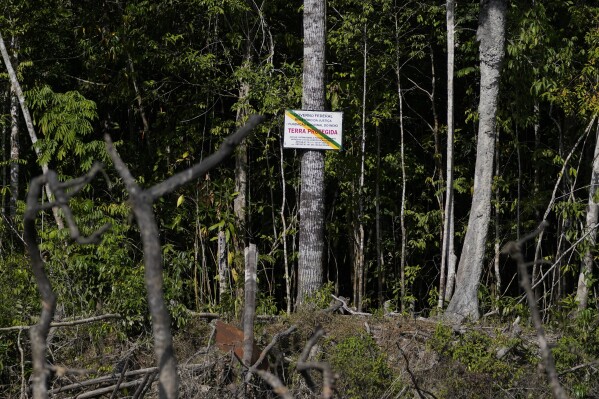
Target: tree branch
<point>67,323</point>
<point>142,204</point>
<point>514,249</point>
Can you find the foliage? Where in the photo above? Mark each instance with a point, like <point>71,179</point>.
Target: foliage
<point>478,352</point>
<point>321,298</point>
<point>363,370</point>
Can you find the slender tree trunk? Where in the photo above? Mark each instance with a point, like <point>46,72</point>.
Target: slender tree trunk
<point>138,99</point>
<point>28,121</point>
<point>311,230</point>
<point>497,238</point>
<point>223,266</point>
<point>14,142</point>
<point>359,233</point>
<point>402,212</point>
<point>491,34</point>
<point>241,163</point>
<point>586,270</point>
<point>288,295</point>
<point>448,210</point>
<point>380,260</point>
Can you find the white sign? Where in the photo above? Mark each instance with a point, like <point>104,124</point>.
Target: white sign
<point>316,130</point>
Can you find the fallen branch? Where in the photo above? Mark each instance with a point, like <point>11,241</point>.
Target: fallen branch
<point>580,366</point>
<point>348,309</point>
<point>113,378</point>
<point>105,390</point>
<point>66,323</point>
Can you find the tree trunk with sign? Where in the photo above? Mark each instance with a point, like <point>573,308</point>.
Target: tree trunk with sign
<point>311,230</point>
<point>491,34</point>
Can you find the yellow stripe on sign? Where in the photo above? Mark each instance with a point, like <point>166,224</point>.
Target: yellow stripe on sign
<point>313,129</point>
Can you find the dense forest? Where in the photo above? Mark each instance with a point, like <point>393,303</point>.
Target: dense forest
<point>405,225</point>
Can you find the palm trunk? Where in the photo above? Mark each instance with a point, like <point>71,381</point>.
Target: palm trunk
<point>311,229</point>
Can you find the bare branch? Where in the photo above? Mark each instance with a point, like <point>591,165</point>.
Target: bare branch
<point>39,332</point>
<point>142,202</point>
<point>514,249</point>
<point>303,366</point>
<point>67,323</point>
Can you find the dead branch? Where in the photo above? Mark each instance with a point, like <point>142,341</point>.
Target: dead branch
<point>303,366</point>
<point>106,390</point>
<point>272,343</point>
<point>39,332</point>
<point>67,323</point>
<point>142,204</point>
<point>348,309</point>
<point>580,366</point>
<point>514,249</point>
<point>277,386</point>
<point>113,378</point>
<point>145,384</point>
<point>419,390</point>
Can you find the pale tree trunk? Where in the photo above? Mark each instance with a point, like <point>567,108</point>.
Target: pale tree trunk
<point>14,142</point>
<point>138,99</point>
<point>402,208</point>
<point>241,163</point>
<point>586,270</point>
<point>448,210</point>
<point>491,34</point>
<point>284,232</point>
<point>497,237</point>
<point>311,229</point>
<point>28,121</point>
<point>402,211</point>
<point>223,266</point>
<point>359,229</point>
<point>380,260</point>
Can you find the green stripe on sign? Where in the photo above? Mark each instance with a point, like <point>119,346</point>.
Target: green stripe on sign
<point>328,140</point>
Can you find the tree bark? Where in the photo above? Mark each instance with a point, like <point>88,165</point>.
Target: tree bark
<point>14,154</point>
<point>223,267</point>
<point>311,229</point>
<point>448,210</point>
<point>359,229</point>
<point>586,270</point>
<point>28,121</point>
<point>491,34</point>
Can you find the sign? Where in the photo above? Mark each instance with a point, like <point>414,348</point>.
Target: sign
<point>315,130</point>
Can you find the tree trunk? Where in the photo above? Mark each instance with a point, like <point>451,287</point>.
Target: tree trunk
<point>28,121</point>
<point>491,34</point>
<point>311,230</point>
<point>223,267</point>
<point>380,260</point>
<point>359,232</point>
<point>284,232</point>
<point>14,143</point>
<point>586,270</point>
<point>448,211</point>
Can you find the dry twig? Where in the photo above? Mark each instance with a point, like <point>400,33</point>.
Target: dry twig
<point>514,249</point>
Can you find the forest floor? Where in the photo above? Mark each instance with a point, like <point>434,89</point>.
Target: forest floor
<point>370,356</point>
